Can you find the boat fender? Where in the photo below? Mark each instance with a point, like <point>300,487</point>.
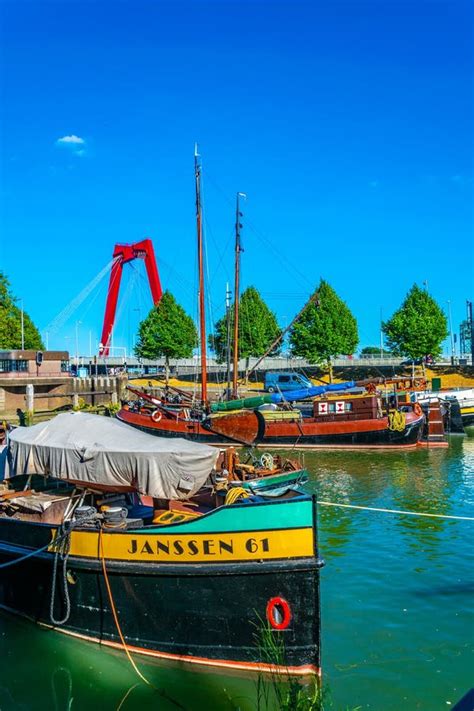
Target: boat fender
<point>417,409</point>
<point>278,613</point>
<point>156,415</point>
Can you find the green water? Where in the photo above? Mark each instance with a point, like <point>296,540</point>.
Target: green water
<point>396,605</point>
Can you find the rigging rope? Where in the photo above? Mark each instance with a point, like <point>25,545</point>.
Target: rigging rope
<point>37,551</point>
<point>396,511</point>
<point>58,322</point>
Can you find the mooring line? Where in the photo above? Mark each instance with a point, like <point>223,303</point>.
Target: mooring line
<point>395,511</point>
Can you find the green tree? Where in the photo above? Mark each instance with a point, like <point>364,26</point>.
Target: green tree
<point>374,350</point>
<point>10,322</point>
<point>167,331</point>
<point>258,328</point>
<point>326,328</point>
<point>419,326</point>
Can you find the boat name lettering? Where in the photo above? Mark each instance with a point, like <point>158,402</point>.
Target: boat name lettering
<point>196,546</point>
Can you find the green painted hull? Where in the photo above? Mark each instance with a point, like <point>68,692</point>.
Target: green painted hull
<point>236,518</point>
<point>267,483</point>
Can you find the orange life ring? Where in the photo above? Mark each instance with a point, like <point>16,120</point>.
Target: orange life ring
<point>156,416</point>
<point>417,409</point>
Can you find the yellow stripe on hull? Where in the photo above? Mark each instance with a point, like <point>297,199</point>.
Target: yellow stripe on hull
<point>195,548</point>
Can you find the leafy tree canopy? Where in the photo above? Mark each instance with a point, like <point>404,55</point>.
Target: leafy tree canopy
<point>258,328</point>
<point>167,331</point>
<point>10,322</point>
<point>374,350</point>
<point>326,328</point>
<point>419,326</point>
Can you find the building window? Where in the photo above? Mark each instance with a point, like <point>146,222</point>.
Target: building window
<point>65,366</point>
<point>13,366</point>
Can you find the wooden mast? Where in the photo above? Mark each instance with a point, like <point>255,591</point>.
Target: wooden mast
<point>202,312</point>
<point>238,250</point>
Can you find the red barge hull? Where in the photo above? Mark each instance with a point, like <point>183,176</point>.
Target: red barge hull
<point>370,433</point>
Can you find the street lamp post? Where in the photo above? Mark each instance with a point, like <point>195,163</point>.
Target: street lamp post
<point>381,334</point>
<point>77,343</point>
<point>451,336</point>
<point>22,318</point>
<point>134,337</point>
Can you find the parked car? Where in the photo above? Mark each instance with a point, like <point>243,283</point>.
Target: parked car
<point>428,359</point>
<point>286,381</point>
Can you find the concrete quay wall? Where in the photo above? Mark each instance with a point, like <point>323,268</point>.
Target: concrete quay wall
<point>55,393</point>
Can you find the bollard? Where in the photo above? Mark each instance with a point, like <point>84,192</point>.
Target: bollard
<point>75,401</point>
<point>30,399</point>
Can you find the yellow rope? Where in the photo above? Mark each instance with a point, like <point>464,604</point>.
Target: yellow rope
<point>235,493</point>
<point>114,612</point>
<point>396,421</point>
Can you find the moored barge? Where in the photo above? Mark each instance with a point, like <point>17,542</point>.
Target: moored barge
<point>193,583</point>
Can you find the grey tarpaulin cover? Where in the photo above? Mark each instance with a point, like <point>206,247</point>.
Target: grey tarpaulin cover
<point>91,448</point>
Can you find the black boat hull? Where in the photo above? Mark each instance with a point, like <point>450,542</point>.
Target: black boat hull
<point>170,615</point>
<point>203,613</point>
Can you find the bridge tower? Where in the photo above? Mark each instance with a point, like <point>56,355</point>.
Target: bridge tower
<point>124,253</point>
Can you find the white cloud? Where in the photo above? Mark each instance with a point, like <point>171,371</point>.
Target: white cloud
<point>71,140</point>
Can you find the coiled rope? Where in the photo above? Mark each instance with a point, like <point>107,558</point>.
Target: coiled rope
<point>396,421</point>
<point>62,552</point>
<point>235,493</point>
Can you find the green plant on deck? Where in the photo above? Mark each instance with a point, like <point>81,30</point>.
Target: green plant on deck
<point>29,418</point>
<point>111,409</point>
<point>82,405</point>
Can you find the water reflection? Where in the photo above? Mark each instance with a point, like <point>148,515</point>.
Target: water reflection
<point>396,597</point>
<point>64,673</point>
<point>424,480</point>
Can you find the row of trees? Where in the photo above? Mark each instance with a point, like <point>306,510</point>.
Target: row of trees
<point>326,328</point>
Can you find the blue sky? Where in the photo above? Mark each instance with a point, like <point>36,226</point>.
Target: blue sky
<point>348,124</point>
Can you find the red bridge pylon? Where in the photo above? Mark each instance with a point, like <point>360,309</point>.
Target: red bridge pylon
<point>124,253</point>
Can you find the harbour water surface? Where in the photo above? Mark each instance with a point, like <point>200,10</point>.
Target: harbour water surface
<point>397,605</point>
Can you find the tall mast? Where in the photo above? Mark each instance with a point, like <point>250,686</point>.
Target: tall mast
<point>238,250</point>
<point>227,314</point>
<point>202,313</point>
